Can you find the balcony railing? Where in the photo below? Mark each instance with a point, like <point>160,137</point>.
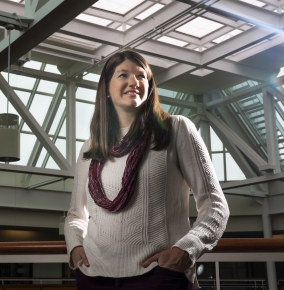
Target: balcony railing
<point>227,250</point>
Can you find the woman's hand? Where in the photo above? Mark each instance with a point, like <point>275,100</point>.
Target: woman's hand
<point>78,254</point>
<point>174,259</point>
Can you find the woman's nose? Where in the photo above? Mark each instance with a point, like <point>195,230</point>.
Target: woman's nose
<point>133,81</point>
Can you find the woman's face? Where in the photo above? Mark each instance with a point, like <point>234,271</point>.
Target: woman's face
<point>128,87</point>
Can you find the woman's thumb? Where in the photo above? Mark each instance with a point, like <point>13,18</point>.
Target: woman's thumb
<point>150,260</point>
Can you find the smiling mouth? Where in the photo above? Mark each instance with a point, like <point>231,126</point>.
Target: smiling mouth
<point>132,93</point>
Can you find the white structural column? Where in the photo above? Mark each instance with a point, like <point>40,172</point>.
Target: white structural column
<point>271,133</point>
<point>217,272</point>
<point>205,127</point>
<point>71,123</point>
<point>267,232</point>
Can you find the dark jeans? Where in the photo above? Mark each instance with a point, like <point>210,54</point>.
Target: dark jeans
<point>156,279</point>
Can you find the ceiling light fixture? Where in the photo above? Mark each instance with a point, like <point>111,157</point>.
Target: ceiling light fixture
<point>9,123</point>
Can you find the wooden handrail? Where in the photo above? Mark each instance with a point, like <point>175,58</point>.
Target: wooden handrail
<point>223,246</point>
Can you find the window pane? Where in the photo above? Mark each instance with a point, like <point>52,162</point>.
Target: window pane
<point>19,81</point>
<point>47,87</point>
<point>218,163</point>
<point>84,113</point>
<point>233,170</point>
<point>216,143</point>
<point>86,94</point>
<point>26,147</point>
<point>38,109</point>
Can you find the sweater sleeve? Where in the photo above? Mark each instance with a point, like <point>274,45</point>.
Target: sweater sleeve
<point>76,222</point>
<point>198,172</point>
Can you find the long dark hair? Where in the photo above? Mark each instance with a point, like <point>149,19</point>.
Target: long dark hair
<point>104,128</point>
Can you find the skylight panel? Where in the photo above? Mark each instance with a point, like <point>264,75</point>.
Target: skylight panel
<point>199,27</point>
<point>93,19</point>
<point>117,6</point>
<point>254,2</point>
<point>201,48</point>
<point>52,69</point>
<point>126,27</point>
<point>92,77</point>
<point>202,72</point>
<point>227,36</point>
<point>173,41</point>
<point>149,11</point>
<point>33,64</point>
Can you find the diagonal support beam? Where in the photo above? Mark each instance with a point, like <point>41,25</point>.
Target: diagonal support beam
<point>42,27</point>
<point>34,126</point>
<point>234,138</point>
<point>279,95</point>
<point>242,94</point>
<point>270,127</point>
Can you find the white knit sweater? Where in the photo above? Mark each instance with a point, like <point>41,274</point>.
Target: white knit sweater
<point>156,217</point>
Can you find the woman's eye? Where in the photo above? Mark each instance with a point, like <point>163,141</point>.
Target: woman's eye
<point>122,76</point>
<point>141,77</point>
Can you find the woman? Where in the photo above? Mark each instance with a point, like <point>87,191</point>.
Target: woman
<point>127,226</point>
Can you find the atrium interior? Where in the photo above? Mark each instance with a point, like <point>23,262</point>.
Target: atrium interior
<point>218,62</point>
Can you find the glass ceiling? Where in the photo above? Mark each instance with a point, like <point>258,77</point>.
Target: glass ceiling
<point>199,27</point>
<point>207,30</point>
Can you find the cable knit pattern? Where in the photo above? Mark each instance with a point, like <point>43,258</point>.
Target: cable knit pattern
<point>156,217</point>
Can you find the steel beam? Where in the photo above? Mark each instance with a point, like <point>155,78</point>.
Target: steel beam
<point>34,199</point>
<point>235,44</point>
<point>36,170</point>
<point>246,193</point>
<point>71,123</point>
<point>276,93</point>
<point>177,102</point>
<point>151,24</point>
<point>255,180</point>
<point>234,138</point>
<point>171,52</point>
<point>172,72</point>
<point>270,128</point>
<point>42,27</point>
<point>34,126</point>
<point>240,70</point>
<point>31,7</point>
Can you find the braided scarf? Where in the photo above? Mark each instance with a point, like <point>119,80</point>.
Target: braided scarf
<point>136,150</point>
